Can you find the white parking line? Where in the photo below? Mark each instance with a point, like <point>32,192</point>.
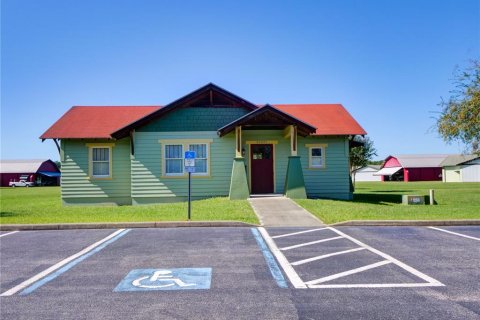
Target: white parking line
<point>309,243</point>
<point>287,268</point>
<point>58,265</point>
<point>297,263</point>
<point>455,233</point>
<point>347,273</point>
<point>402,265</point>
<point>295,233</point>
<point>297,282</point>
<point>6,234</point>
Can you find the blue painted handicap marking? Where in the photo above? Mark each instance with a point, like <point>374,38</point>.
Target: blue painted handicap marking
<point>166,279</point>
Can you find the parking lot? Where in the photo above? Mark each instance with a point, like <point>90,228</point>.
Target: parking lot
<point>328,273</point>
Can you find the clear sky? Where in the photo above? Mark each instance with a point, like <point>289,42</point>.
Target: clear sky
<point>387,62</point>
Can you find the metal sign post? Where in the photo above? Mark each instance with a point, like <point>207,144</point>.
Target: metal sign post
<point>189,163</point>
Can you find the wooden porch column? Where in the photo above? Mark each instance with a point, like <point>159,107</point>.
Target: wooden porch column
<point>293,140</point>
<point>238,142</point>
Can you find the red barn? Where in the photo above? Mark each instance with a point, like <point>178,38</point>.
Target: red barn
<point>42,172</point>
<point>420,167</point>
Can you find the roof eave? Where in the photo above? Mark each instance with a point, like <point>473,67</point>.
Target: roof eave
<point>231,126</point>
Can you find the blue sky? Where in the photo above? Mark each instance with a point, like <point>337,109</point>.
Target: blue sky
<point>387,62</point>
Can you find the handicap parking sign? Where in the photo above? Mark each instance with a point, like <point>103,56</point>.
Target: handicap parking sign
<point>166,279</point>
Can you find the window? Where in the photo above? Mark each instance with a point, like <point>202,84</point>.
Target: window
<point>100,162</point>
<point>173,159</point>
<point>316,156</point>
<point>201,158</point>
<point>174,153</point>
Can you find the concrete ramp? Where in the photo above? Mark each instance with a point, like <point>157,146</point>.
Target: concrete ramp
<point>282,212</point>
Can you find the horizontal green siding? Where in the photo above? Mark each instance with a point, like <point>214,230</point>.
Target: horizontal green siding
<point>76,185</point>
<point>195,119</point>
<point>149,186</point>
<point>332,181</point>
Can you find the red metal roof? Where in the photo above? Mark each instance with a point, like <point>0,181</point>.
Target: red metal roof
<point>95,122</point>
<point>100,122</point>
<point>329,119</point>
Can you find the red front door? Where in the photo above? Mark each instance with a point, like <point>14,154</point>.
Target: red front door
<point>261,160</point>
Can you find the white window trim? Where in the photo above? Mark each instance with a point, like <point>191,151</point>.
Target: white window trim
<point>316,146</point>
<point>108,146</point>
<point>185,146</point>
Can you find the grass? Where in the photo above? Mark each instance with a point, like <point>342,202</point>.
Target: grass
<point>382,201</point>
<point>43,205</point>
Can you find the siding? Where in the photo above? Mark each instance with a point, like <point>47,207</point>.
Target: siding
<point>195,119</point>
<point>148,185</point>
<point>76,185</point>
<point>334,180</point>
<point>331,182</point>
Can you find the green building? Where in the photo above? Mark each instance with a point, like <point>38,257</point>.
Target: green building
<point>135,155</point>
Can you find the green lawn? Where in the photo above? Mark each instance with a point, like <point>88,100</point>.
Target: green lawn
<point>382,201</point>
<point>43,205</point>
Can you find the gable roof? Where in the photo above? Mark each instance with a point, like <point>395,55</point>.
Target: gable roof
<point>268,115</point>
<point>329,119</point>
<point>95,122</point>
<point>21,166</point>
<point>206,94</point>
<point>456,159</point>
<point>419,160</point>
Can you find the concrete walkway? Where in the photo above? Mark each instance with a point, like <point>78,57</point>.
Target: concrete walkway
<point>282,212</point>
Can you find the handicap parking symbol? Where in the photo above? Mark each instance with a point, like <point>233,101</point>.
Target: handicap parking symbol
<point>166,279</point>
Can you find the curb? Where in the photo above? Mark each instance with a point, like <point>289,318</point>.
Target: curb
<point>121,225</point>
<point>406,223</point>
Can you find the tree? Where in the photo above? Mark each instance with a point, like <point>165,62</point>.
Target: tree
<point>460,116</point>
<point>361,153</point>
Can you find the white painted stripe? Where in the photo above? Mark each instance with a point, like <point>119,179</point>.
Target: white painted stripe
<point>287,268</point>
<point>297,263</point>
<point>57,266</point>
<point>374,285</point>
<point>309,243</point>
<point>6,234</point>
<point>390,258</point>
<point>457,234</point>
<point>347,273</point>
<point>295,233</point>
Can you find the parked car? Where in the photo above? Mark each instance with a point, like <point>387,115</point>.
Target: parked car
<point>21,183</point>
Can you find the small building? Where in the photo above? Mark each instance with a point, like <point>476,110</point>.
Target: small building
<point>366,173</point>
<point>461,168</point>
<point>40,171</point>
<point>134,155</point>
<point>418,167</point>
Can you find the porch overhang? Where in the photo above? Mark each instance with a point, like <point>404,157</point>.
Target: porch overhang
<point>268,117</point>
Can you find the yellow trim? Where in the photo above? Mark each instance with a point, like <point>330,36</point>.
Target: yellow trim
<point>316,145</point>
<point>261,142</point>
<point>185,143</point>
<point>323,146</point>
<point>95,145</point>
<point>90,160</point>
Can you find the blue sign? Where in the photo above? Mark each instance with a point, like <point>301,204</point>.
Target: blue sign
<point>190,169</point>
<point>189,154</point>
<point>166,279</point>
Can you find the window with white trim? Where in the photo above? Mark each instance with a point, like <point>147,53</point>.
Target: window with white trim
<point>173,159</point>
<point>101,162</point>
<point>316,157</point>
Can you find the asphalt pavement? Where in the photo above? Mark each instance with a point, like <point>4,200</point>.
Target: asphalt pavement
<point>434,273</point>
